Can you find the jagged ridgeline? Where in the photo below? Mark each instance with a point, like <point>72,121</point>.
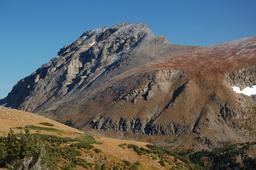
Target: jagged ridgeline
<point>126,80</point>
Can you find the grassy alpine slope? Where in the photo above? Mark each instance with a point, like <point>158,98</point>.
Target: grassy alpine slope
<point>30,141</point>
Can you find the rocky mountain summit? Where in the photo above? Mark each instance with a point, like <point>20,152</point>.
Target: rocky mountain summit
<point>124,80</point>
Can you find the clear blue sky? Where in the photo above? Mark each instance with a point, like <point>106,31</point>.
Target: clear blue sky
<point>32,31</point>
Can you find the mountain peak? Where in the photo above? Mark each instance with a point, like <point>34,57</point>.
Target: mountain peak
<point>82,61</point>
<point>125,79</point>
<point>123,27</point>
<point>131,34</point>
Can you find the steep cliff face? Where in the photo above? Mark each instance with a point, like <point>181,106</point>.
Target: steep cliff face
<point>78,65</point>
<point>126,80</point>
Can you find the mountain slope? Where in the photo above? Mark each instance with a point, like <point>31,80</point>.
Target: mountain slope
<point>124,80</point>
<point>93,151</point>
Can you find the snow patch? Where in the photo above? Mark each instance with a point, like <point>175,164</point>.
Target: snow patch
<point>91,44</point>
<point>246,91</point>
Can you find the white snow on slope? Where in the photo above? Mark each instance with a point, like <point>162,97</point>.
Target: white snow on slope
<point>91,44</point>
<point>246,91</point>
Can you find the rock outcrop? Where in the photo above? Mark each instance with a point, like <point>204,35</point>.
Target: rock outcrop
<point>126,80</point>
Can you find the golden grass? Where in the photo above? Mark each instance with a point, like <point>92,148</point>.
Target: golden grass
<point>109,147</point>
<point>11,118</point>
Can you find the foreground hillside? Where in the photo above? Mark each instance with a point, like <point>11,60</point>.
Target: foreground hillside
<point>126,81</point>
<point>37,142</point>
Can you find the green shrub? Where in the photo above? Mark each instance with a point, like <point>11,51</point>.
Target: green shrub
<point>127,163</point>
<point>157,150</point>
<point>70,123</point>
<point>135,165</point>
<point>83,163</point>
<point>48,157</point>
<point>122,145</point>
<point>46,123</point>
<point>2,153</point>
<point>96,150</point>
<point>69,167</point>
<point>86,142</point>
<point>161,162</point>
<point>34,127</point>
<point>14,148</point>
<point>52,138</point>
<point>138,150</point>
<point>116,167</point>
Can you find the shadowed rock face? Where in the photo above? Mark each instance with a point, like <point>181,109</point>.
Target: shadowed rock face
<point>125,80</point>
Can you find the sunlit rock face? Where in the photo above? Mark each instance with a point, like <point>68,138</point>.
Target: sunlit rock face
<point>126,81</point>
